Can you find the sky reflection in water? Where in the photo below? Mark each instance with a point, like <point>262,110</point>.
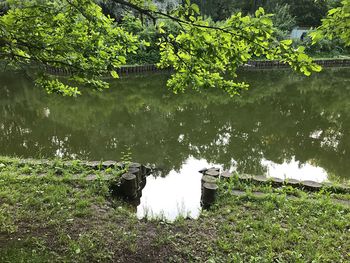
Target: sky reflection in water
<point>179,193</point>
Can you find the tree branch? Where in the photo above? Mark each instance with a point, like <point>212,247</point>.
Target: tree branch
<point>141,10</point>
<point>152,14</point>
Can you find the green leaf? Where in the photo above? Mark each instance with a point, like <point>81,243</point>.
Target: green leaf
<point>287,42</point>
<point>316,68</point>
<point>332,11</point>
<point>195,8</point>
<point>259,12</point>
<point>303,57</point>
<point>114,74</point>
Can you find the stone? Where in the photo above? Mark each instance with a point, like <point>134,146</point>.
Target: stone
<point>226,175</point>
<point>238,192</point>
<point>45,162</point>
<point>259,194</point>
<point>245,177</point>
<point>276,181</point>
<point>311,185</point>
<point>292,182</point>
<point>120,165</point>
<point>69,163</point>
<point>93,164</point>
<point>260,179</point>
<point>107,177</point>
<point>91,177</point>
<point>109,164</point>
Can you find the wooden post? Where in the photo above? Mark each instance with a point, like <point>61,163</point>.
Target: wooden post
<point>203,170</point>
<point>138,166</point>
<point>212,172</point>
<point>214,168</point>
<point>207,179</point>
<point>129,185</point>
<point>208,195</point>
<point>137,173</point>
<point>143,182</point>
<point>226,175</point>
<point>134,170</point>
<point>148,169</point>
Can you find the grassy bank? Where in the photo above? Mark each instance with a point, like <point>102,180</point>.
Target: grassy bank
<point>45,216</point>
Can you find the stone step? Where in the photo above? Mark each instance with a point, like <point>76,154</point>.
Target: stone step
<point>258,194</point>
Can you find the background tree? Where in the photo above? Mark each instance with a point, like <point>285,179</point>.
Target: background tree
<point>306,12</point>
<point>217,10</point>
<point>283,20</point>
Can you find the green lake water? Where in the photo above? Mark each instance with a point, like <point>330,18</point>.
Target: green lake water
<point>285,125</point>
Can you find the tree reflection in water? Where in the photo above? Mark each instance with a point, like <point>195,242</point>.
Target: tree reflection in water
<point>282,118</point>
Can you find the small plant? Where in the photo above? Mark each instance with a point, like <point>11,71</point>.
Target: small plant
<point>126,156</point>
<point>27,169</point>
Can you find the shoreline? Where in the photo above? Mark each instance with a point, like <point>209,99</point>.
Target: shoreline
<point>49,218</point>
<point>252,64</point>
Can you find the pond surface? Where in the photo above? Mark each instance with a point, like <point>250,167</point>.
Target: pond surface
<point>286,125</point>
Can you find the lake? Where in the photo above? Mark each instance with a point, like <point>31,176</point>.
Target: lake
<point>286,125</point>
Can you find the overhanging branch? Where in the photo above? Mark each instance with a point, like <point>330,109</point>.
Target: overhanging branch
<point>154,15</point>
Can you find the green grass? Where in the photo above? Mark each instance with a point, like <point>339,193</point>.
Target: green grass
<point>56,219</point>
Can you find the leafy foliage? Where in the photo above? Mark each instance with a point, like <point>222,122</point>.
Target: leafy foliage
<point>324,47</point>
<point>148,51</point>
<point>76,35</point>
<point>335,25</point>
<point>67,34</point>
<point>206,56</point>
